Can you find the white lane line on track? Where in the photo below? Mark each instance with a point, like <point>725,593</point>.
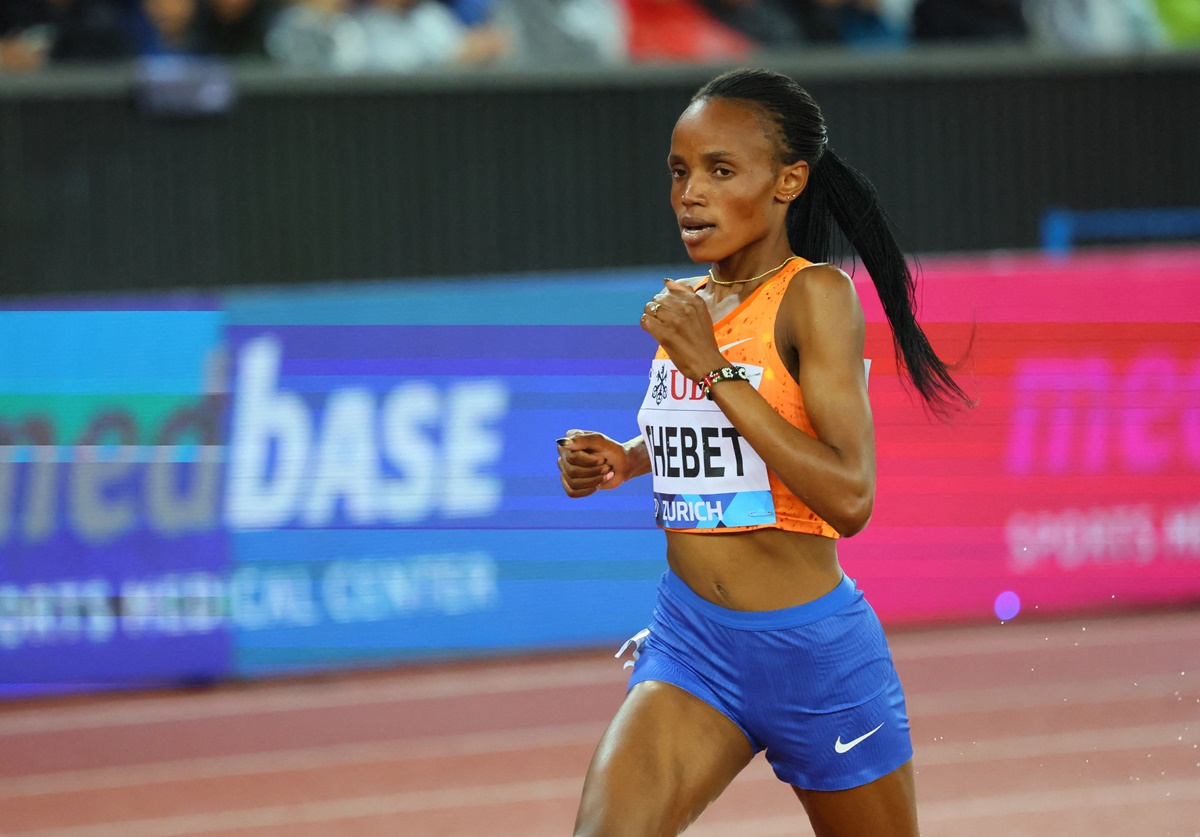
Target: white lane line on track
<point>1107,739</point>
<point>327,811</point>
<point>526,676</point>
<point>1026,747</point>
<point>977,807</point>
<point>306,758</point>
<point>1049,636</point>
<point>1057,694</point>
<point>1035,802</point>
<point>144,709</point>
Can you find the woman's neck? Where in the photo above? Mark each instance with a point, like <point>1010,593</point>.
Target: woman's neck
<point>743,272</point>
<point>756,258</point>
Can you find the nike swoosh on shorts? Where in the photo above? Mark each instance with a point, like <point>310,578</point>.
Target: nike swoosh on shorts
<point>850,745</point>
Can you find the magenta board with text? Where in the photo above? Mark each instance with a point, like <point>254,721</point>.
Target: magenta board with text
<point>1075,482</point>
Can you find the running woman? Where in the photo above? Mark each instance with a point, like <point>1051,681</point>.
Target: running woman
<point>757,430</point>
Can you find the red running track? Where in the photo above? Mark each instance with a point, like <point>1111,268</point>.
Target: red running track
<point>1079,727</point>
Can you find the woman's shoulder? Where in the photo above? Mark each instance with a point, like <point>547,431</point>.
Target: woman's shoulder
<point>823,275</point>
<point>822,280</point>
<point>822,288</point>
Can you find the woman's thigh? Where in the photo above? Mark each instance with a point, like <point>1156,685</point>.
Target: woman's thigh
<point>666,756</point>
<point>886,807</point>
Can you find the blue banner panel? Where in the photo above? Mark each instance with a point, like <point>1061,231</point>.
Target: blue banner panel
<point>443,427</point>
<point>112,552</point>
<point>339,597</point>
<point>393,490</point>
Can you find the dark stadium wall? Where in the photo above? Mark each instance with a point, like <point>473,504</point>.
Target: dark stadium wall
<point>325,179</point>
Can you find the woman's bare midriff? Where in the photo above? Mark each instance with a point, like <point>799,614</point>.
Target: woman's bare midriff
<point>761,569</point>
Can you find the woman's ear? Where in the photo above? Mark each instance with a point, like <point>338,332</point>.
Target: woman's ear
<point>792,180</point>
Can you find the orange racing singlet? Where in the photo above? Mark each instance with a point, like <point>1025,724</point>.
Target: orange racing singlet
<point>707,478</point>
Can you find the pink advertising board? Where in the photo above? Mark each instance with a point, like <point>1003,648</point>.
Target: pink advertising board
<point>1074,485</point>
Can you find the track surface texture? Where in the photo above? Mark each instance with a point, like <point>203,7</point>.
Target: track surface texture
<point>1085,726</point>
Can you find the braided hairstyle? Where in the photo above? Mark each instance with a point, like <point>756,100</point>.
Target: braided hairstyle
<point>838,193</point>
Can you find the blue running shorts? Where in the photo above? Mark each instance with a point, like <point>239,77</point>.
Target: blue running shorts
<point>813,685</point>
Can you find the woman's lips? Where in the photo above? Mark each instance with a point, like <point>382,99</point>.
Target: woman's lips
<point>694,233</point>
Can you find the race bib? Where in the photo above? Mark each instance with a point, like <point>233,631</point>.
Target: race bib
<point>706,476</point>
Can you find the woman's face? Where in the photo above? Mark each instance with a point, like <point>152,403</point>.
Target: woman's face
<point>725,176</point>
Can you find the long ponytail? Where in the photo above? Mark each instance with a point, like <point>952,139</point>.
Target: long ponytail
<point>838,195</point>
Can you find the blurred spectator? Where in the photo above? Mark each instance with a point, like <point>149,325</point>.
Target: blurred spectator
<point>318,35</point>
<point>680,30</point>
<point>88,30</point>
<point>783,23</point>
<point>18,15</point>
<point>768,23</point>
<point>1102,25</point>
<point>471,12</point>
<point>236,27</point>
<point>35,31</point>
<point>1181,20</point>
<point>897,13</point>
<point>166,27</point>
<point>23,51</point>
<point>25,35</point>
<point>859,22</point>
<point>564,32</point>
<point>410,34</point>
<point>968,20</point>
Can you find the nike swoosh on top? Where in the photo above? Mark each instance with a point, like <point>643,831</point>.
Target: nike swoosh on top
<point>850,745</point>
<point>737,343</point>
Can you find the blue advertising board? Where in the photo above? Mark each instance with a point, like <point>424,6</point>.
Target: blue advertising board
<point>289,480</point>
<point>393,467</point>
<point>110,483</point>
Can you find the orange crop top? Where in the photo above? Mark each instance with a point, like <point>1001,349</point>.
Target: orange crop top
<point>707,478</point>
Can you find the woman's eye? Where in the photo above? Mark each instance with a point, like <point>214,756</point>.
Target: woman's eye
<point>677,173</point>
<point>723,172</point>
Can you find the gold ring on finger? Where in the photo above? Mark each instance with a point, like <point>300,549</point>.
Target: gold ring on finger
<point>654,306</point>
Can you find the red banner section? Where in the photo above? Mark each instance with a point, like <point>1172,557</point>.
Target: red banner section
<point>1074,484</point>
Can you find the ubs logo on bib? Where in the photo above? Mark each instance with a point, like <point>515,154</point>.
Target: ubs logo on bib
<point>659,391</point>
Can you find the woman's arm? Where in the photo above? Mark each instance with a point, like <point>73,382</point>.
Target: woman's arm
<point>589,461</point>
